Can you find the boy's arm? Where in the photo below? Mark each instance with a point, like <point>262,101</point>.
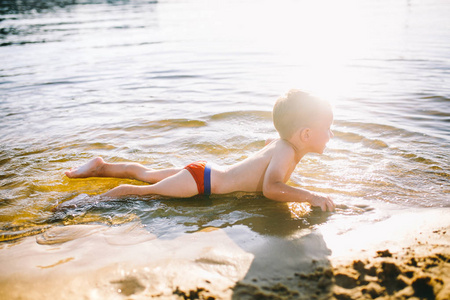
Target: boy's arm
<point>276,189</point>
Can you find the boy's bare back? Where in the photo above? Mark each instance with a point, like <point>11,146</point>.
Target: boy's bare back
<point>249,174</point>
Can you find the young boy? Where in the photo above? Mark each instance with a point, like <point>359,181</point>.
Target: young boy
<point>303,123</point>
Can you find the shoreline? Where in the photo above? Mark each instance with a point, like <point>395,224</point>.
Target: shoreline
<point>399,263</point>
<point>127,262</point>
<point>411,262</point>
<point>419,271</point>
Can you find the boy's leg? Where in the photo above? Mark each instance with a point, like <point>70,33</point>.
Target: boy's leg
<point>97,167</point>
<point>181,185</point>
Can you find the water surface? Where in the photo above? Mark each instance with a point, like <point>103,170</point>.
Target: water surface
<point>165,83</point>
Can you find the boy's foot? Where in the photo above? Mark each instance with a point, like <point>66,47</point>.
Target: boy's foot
<point>89,169</point>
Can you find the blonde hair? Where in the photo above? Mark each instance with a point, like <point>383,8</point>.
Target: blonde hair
<point>294,110</point>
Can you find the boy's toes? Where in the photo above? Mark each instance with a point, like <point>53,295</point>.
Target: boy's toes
<point>69,173</point>
<point>72,173</point>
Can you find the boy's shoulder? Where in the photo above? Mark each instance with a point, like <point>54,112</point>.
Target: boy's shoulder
<point>282,143</point>
<point>282,158</point>
<point>283,148</point>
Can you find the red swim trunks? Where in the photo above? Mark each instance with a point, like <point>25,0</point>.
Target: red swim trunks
<point>202,176</point>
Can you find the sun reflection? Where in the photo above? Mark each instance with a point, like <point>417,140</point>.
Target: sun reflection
<point>299,209</point>
<point>320,42</point>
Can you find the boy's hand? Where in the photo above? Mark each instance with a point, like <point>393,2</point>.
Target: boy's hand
<point>325,203</point>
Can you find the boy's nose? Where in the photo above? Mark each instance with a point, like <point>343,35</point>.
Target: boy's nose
<point>331,134</point>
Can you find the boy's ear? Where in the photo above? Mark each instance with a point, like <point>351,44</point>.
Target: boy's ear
<point>305,134</point>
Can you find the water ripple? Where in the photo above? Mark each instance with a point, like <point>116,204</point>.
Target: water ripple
<point>170,82</point>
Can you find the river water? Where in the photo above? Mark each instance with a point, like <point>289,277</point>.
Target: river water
<point>165,83</point>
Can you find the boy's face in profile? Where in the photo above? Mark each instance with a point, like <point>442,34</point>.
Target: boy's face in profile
<point>321,131</point>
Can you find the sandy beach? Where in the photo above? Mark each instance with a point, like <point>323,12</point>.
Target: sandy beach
<point>419,271</point>
<point>406,256</point>
<point>410,261</point>
<point>127,262</point>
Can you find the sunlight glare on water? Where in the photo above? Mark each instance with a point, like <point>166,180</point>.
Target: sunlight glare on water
<point>169,82</point>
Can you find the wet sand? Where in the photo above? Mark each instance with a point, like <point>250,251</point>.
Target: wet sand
<point>127,262</point>
<point>406,256</point>
<point>419,271</point>
<point>414,265</point>
<point>123,262</point>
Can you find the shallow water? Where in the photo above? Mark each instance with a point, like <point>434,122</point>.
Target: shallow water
<point>169,82</point>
